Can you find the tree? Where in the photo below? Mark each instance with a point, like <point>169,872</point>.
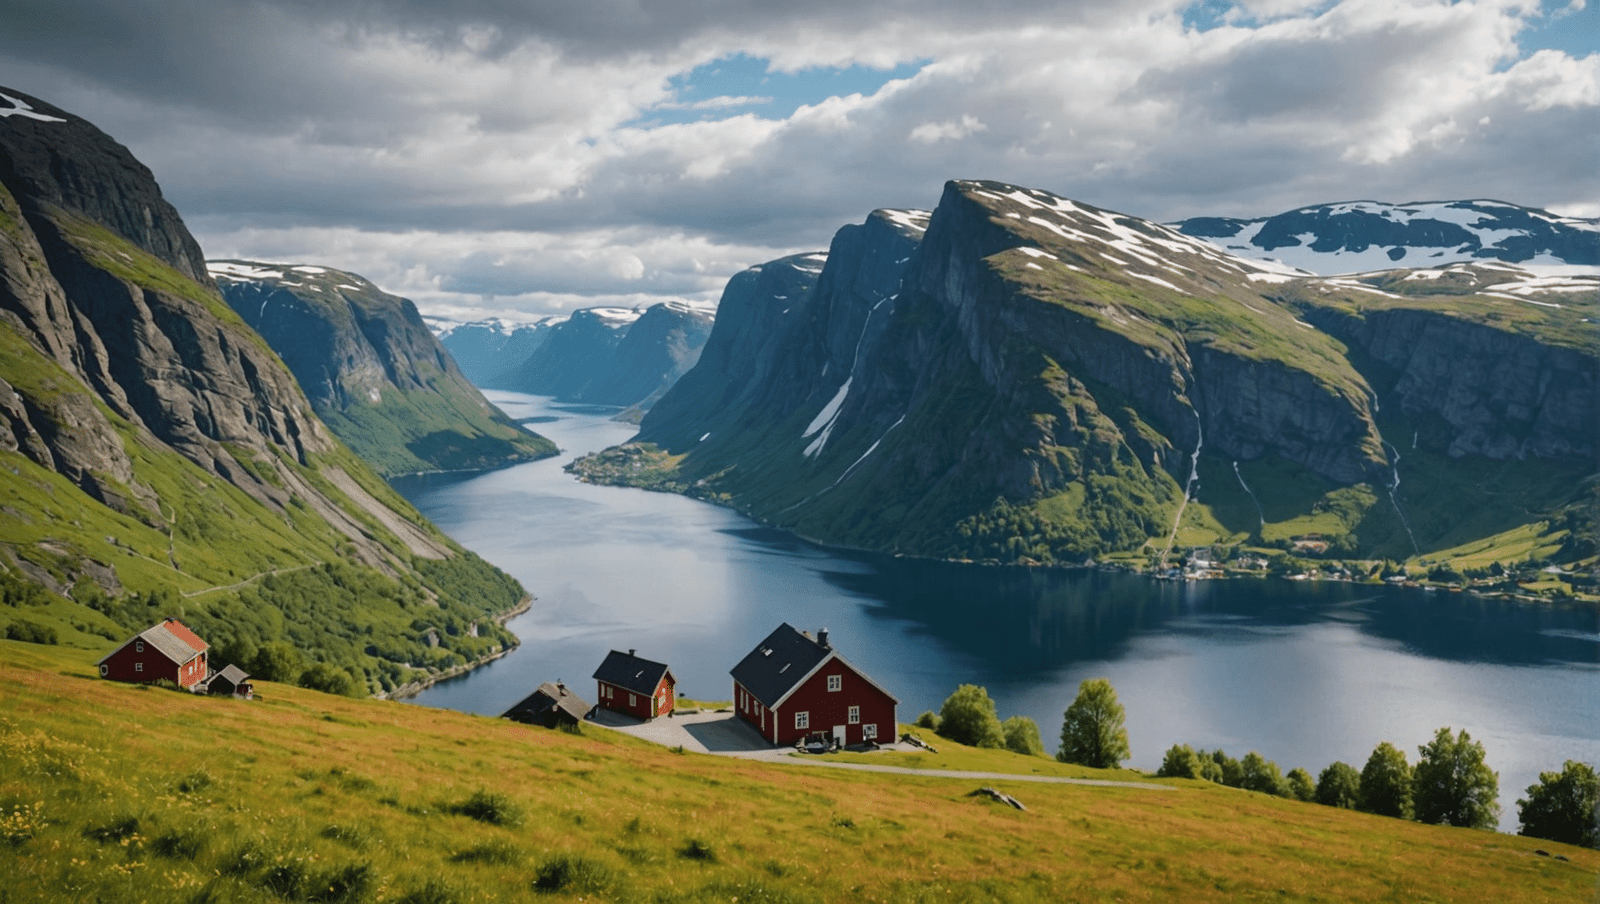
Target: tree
<point>968,717</point>
<point>1022,736</point>
<point>1452,785</point>
<point>277,661</point>
<point>1181,762</point>
<point>1339,785</point>
<point>1225,769</point>
<point>1301,785</point>
<point>1257,773</point>
<point>929,720</point>
<point>1386,783</point>
<point>329,679</point>
<point>1093,732</point>
<point>1564,806</point>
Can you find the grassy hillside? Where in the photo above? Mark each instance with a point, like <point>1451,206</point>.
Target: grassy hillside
<point>117,793</point>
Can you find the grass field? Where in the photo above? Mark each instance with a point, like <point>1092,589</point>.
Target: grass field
<point>112,792</point>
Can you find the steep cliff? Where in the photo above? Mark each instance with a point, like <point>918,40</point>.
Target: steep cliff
<point>158,457</point>
<point>1032,379</point>
<point>373,371</point>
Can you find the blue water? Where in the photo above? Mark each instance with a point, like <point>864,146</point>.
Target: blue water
<point>1303,672</point>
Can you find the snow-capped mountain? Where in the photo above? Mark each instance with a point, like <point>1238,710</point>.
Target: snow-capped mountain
<point>1363,236</point>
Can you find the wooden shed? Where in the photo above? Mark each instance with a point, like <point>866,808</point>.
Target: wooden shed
<point>550,705</point>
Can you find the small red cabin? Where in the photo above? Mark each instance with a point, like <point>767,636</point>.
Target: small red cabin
<point>792,685</point>
<point>635,686</point>
<point>167,650</point>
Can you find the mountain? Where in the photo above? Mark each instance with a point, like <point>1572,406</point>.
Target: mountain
<point>614,356</point>
<point>489,351</point>
<point>1360,236</point>
<point>160,460</point>
<point>1018,377</point>
<point>373,371</point>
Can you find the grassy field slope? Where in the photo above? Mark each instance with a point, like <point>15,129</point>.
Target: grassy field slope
<point>118,793</point>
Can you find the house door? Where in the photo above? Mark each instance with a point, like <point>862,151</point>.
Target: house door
<point>838,735</point>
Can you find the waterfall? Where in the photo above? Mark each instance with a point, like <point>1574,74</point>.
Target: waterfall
<point>1394,469</point>
<point>1189,486</point>
<point>1260,515</point>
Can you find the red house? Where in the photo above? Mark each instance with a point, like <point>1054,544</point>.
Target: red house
<point>792,685</point>
<point>635,686</point>
<point>167,650</point>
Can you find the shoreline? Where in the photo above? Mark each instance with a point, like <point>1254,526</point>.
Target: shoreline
<point>412,688</point>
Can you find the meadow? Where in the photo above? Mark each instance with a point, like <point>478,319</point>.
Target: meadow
<point>112,792</point>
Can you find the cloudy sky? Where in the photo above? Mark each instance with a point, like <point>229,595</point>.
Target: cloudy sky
<point>541,155</point>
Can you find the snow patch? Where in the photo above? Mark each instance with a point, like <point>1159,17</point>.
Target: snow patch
<point>25,110</point>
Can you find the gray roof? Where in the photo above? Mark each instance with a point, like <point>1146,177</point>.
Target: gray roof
<point>630,672</point>
<point>779,664</point>
<point>547,697</point>
<point>233,675</point>
<point>166,643</point>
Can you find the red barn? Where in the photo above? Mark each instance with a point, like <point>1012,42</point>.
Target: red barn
<point>792,685</point>
<point>167,650</point>
<point>635,686</point>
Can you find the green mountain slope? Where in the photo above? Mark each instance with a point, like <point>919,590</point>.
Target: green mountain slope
<point>373,371</point>
<point>157,458</point>
<point>1021,378</point>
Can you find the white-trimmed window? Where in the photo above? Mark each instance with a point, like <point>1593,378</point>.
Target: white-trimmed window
<point>138,666</point>
<point>835,683</point>
<point>104,670</point>
<point>138,646</point>
<point>802,720</point>
<point>633,699</point>
<point>869,731</point>
<point>855,715</point>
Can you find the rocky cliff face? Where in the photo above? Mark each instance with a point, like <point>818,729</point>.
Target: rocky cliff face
<point>373,370</point>
<point>1035,379</point>
<point>157,450</point>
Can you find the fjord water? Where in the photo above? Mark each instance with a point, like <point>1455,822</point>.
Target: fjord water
<point>1303,672</point>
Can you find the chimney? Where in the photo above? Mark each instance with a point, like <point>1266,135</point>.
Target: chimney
<point>631,652</point>
<point>822,638</point>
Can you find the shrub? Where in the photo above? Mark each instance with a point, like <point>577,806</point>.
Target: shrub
<point>695,849</point>
<point>1022,736</point>
<point>1181,761</point>
<point>968,717</point>
<point>329,679</point>
<point>489,852</point>
<point>1564,806</point>
<point>929,720</point>
<point>494,808</point>
<point>572,873</point>
<point>1339,785</point>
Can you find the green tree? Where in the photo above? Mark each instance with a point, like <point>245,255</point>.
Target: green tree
<point>968,717</point>
<point>1093,729</point>
<point>1564,806</point>
<point>329,679</point>
<point>1452,785</point>
<point>277,661</point>
<point>1022,736</point>
<point>929,720</point>
<point>1301,785</point>
<point>1226,769</point>
<point>1339,785</point>
<point>1257,773</point>
<point>1386,783</point>
<point>1181,761</point>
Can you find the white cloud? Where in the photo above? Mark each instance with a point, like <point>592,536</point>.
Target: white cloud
<point>504,150</point>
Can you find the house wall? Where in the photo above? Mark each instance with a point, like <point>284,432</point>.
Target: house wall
<point>824,708</point>
<point>144,666</point>
<point>752,711</point>
<point>666,697</point>
<point>622,700</point>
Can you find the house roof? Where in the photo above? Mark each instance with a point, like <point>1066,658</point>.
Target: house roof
<point>631,673</point>
<point>233,675</point>
<point>545,698</point>
<point>783,662</point>
<point>171,638</point>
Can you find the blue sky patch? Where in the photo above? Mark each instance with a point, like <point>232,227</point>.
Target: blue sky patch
<point>739,84</point>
